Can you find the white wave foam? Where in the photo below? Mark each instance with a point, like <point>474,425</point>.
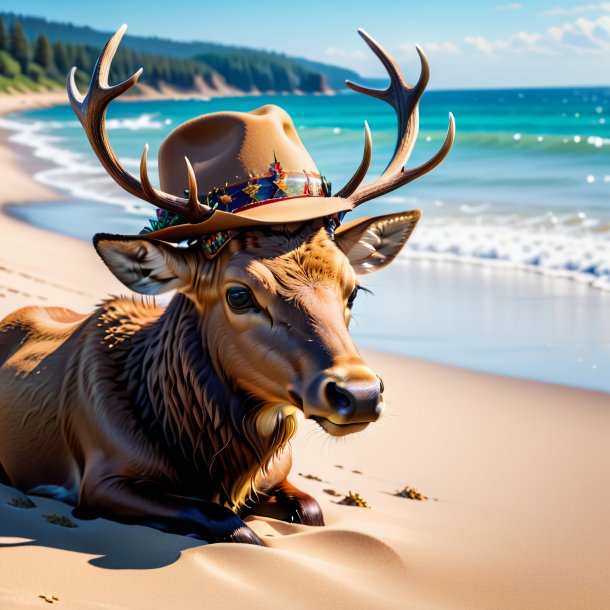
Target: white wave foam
<point>399,199</point>
<point>474,209</point>
<point>574,246</point>
<point>144,121</point>
<point>71,171</point>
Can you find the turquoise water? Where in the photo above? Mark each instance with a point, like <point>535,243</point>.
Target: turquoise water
<point>527,186</point>
<point>527,183</point>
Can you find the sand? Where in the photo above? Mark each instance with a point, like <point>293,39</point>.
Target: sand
<point>516,473</point>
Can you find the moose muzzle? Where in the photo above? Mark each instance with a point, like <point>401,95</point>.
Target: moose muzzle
<point>344,401</point>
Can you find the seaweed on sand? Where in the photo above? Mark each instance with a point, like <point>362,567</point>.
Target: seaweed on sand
<point>311,477</point>
<point>21,502</point>
<point>354,499</point>
<point>59,520</point>
<point>410,493</point>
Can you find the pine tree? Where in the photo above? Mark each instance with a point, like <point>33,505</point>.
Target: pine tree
<point>20,49</point>
<point>82,60</point>
<point>61,58</point>
<point>43,54</point>
<point>4,42</point>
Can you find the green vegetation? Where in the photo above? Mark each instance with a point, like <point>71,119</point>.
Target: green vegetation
<point>3,36</point>
<point>32,57</point>
<point>43,54</point>
<point>19,49</point>
<point>253,70</point>
<point>68,33</point>
<point>23,68</point>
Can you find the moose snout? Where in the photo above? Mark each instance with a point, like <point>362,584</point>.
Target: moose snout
<point>354,402</point>
<point>344,400</point>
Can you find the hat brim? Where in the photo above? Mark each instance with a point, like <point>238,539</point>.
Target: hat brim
<point>277,212</point>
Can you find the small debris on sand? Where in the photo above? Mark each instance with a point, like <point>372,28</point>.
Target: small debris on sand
<point>338,466</point>
<point>311,477</point>
<point>21,502</point>
<point>331,492</point>
<point>50,599</point>
<point>59,520</point>
<point>357,471</point>
<point>354,499</point>
<point>411,493</point>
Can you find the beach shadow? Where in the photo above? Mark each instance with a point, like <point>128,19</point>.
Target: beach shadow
<point>115,545</point>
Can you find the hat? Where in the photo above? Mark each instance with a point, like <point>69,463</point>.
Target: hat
<point>251,168</point>
<point>229,171</point>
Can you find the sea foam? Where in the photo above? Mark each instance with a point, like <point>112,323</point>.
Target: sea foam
<point>80,175</point>
<point>570,246</point>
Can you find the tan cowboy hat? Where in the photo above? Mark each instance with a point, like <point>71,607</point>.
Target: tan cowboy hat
<point>251,165</point>
<point>228,171</point>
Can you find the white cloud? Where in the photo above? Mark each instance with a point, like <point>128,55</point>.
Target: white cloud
<point>338,52</point>
<point>448,47</point>
<point>512,6</point>
<point>517,43</point>
<point>582,35</point>
<point>524,41</point>
<point>577,9</point>
<point>480,43</point>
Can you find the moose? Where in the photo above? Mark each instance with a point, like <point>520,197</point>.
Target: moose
<point>180,417</point>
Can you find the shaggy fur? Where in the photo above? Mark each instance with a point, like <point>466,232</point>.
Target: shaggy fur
<point>120,411</point>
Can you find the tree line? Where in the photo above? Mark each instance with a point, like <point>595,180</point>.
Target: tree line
<point>39,61</point>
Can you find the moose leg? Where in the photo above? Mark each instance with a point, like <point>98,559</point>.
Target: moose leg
<point>144,503</point>
<point>287,503</point>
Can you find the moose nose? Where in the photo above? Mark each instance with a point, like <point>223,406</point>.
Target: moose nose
<point>355,402</point>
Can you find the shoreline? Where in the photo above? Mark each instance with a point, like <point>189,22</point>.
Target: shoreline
<point>23,102</point>
<point>37,250</point>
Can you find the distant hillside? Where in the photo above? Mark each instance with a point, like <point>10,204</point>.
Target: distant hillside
<point>255,70</point>
<point>301,72</point>
<point>335,75</point>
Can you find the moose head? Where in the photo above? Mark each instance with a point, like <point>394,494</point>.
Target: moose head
<point>264,261</point>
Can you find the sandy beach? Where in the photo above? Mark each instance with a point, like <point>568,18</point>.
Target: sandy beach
<point>516,474</point>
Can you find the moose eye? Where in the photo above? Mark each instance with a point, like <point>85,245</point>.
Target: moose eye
<point>352,297</point>
<point>240,299</point>
<point>355,291</point>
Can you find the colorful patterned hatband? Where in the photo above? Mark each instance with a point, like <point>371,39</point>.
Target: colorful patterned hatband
<point>276,184</point>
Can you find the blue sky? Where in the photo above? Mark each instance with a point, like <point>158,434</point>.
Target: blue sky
<point>470,43</point>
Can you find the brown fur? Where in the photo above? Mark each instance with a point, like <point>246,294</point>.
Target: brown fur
<point>192,398</point>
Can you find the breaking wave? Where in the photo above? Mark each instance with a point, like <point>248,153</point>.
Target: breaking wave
<point>572,246</point>
<point>79,174</point>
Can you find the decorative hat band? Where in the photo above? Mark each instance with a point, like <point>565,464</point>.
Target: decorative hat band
<point>276,184</point>
<point>266,188</point>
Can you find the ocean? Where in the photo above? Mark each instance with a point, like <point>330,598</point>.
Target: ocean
<point>526,186</point>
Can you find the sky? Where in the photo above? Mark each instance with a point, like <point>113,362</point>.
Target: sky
<point>469,43</point>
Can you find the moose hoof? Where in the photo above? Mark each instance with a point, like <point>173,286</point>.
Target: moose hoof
<point>245,535</point>
<point>301,507</point>
<point>308,512</point>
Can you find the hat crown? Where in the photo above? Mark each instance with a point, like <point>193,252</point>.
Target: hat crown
<point>227,147</point>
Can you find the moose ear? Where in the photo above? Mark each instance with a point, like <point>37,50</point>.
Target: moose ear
<point>372,243</point>
<point>144,265</point>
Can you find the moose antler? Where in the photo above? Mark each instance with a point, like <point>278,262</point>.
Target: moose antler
<point>358,177</point>
<point>404,99</point>
<point>91,112</point>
